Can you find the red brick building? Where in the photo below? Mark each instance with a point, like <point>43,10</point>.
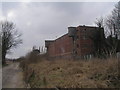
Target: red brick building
<point>77,43</point>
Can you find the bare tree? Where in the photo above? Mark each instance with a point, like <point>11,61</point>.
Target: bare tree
<point>100,22</point>
<point>99,38</point>
<point>0,48</point>
<point>113,21</point>
<point>113,27</point>
<point>116,17</point>
<point>10,38</point>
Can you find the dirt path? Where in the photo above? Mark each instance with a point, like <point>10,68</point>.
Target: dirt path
<point>12,76</point>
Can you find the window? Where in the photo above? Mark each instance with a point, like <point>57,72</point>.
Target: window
<point>77,37</point>
<point>76,52</point>
<point>77,45</point>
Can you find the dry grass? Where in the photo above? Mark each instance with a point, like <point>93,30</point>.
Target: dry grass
<point>94,73</point>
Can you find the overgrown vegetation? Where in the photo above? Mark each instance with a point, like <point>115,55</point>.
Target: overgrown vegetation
<point>108,46</point>
<point>94,73</point>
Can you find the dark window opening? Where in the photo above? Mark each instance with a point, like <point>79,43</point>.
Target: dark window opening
<point>76,52</point>
<point>77,37</point>
<point>77,45</point>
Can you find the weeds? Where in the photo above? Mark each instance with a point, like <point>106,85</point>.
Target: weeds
<point>94,73</point>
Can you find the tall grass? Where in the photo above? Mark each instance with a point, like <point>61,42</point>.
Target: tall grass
<point>95,73</point>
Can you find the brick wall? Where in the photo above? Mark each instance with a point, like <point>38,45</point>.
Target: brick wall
<point>85,45</point>
<point>60,47</point>
<point>63,46</point>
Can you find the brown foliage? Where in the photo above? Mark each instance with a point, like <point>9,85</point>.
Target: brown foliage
<point>94,73</point>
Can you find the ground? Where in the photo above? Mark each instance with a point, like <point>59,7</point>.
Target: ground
<point>12,76</point>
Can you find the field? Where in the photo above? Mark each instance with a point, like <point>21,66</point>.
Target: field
<point>94,73</point>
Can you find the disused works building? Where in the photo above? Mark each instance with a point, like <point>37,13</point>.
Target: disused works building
<point>77,43</point>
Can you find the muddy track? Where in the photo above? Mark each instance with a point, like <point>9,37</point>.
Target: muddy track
<point>12,76</point>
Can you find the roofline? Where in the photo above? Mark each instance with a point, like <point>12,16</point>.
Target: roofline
<point>88,26</point>
<point>49,40</point>
<point>60,36</point>
<point>57,38</point>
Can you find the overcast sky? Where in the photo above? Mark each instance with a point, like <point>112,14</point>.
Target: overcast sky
<point>38,21</point>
